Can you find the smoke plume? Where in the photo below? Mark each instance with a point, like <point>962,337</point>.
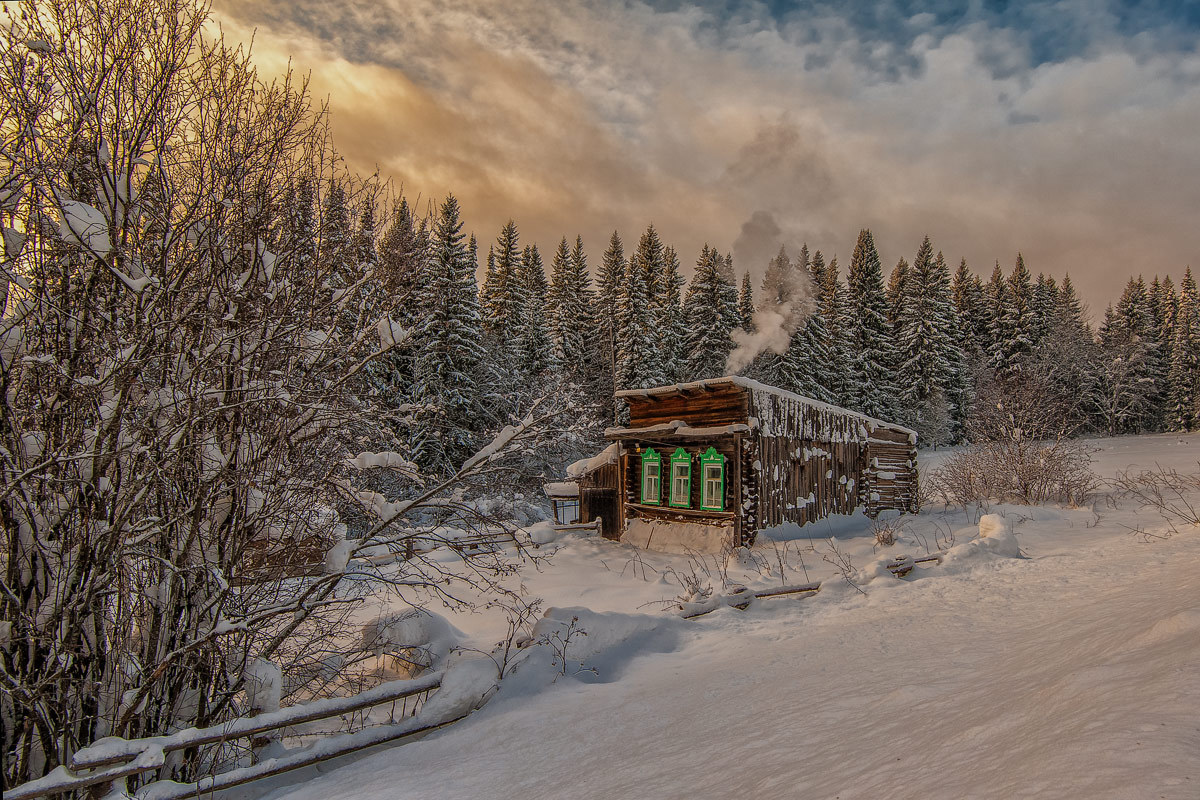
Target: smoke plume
<point>778,316</point>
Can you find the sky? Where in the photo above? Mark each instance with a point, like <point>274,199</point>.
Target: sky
<point>1062,129</point>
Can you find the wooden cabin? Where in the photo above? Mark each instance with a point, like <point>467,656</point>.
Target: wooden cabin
<point>706,465</point>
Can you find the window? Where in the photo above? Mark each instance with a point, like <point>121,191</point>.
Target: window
<point>712,473</point>
<point>651,477</point>
<point>566,512</point>
<point>681,479</point>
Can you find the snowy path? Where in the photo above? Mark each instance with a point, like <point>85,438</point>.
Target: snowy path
<point>1074,674</point>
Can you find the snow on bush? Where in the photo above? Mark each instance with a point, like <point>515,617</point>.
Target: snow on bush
<point>464,686</point>
<point>410,641</point>
<point>83,225</point>
<point>338,556</point>
<point>264,682</point>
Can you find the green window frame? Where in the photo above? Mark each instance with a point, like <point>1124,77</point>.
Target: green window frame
<point>712,480</point>
<point>681,479</point>
<point>651,477</point>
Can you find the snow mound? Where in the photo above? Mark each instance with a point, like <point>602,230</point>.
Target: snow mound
<point>416,636</point>
<point>465,686</point>
<point>995,538</point>
<point>876,569</point>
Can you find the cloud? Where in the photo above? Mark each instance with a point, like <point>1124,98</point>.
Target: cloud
<point>1057,128</point>
<point>758,241</point>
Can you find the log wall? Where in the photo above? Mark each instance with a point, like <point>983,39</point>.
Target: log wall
<point>718,405</point>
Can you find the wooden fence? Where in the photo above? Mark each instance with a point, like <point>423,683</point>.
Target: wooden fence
<point>105,766</point>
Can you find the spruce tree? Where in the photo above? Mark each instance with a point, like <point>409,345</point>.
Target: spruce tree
<point>709,342</point>
<point>996,301</point>
<point>1070,309</point>
<point>502,295</point>
<point>746,303</point>
<point>532,329</point>
<point>729,304</point>
<point>872,388</point>
<point>403,251</point>
<point>572,311</point>
<point>608,307</point>
<point>672,326</point>
<point>1184,408</point>
<point>808,363</point>
<point>638,357</point>
<point>1016,322</point>
<point>779,289</point>
<point>897,292</point>
<point>1044,307</point>
<point>1137,343</point>
<point>336,249</point>
<point>969,305</point>
<point>834,307</point>
<point>448,349</point>
<point>930,361</point>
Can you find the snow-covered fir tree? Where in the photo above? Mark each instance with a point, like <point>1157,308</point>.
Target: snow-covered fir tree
<point>639,361</point>
<point>1184,402</point>
<point>572,310</point>
<point>930,362</point>
<point>808,362</point>
<point>872,354</point>
<point>833,305</point>
<point>535,351</point>
<point>1014,319</point>
<point>608,309</point>
<point>448,349</point>
<point>501,298</point>
<point>1045,303</point>
<point>967,291</point>
<point>709,326</point>
<point>746,303</point>
<point>672,326</point>
<point>779,294</point>
<point>402,253</point>
<point>1136,342</point>
<point>897,292</point>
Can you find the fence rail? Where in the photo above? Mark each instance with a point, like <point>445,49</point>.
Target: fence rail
<point>113,760</point>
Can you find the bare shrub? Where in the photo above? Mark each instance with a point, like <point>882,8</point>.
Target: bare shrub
<point>1019,471</point>
<point>1021,451</point>
<point>842,563</point>
<point>887,531</point>
<point>1171,493</point>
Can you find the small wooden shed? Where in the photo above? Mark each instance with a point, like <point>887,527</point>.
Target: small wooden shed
<point>706,465</point>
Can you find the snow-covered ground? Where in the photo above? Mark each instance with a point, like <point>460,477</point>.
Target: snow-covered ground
<point>1072,671</point>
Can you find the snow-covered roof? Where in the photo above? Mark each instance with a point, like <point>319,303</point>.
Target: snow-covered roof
<point>585,465</point>
<point>756,387</point>
<point>678,428</point>
<point>561,489</point>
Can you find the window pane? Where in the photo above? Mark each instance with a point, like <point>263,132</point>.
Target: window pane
<point>713,474</point>
<point>651,482</point>
<point>567,512</point>
<point>680,473</point>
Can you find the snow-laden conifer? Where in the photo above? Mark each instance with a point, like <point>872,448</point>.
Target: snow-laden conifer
<point>872,389</point>
<point>448,348</point>
<point>709,326</point>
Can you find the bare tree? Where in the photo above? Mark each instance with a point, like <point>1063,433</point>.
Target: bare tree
<point>183,350</point>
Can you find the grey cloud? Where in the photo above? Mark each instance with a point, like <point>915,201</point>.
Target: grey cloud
<point>758,241</point>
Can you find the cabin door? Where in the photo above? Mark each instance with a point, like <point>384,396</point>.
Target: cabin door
<point>601,504</point>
